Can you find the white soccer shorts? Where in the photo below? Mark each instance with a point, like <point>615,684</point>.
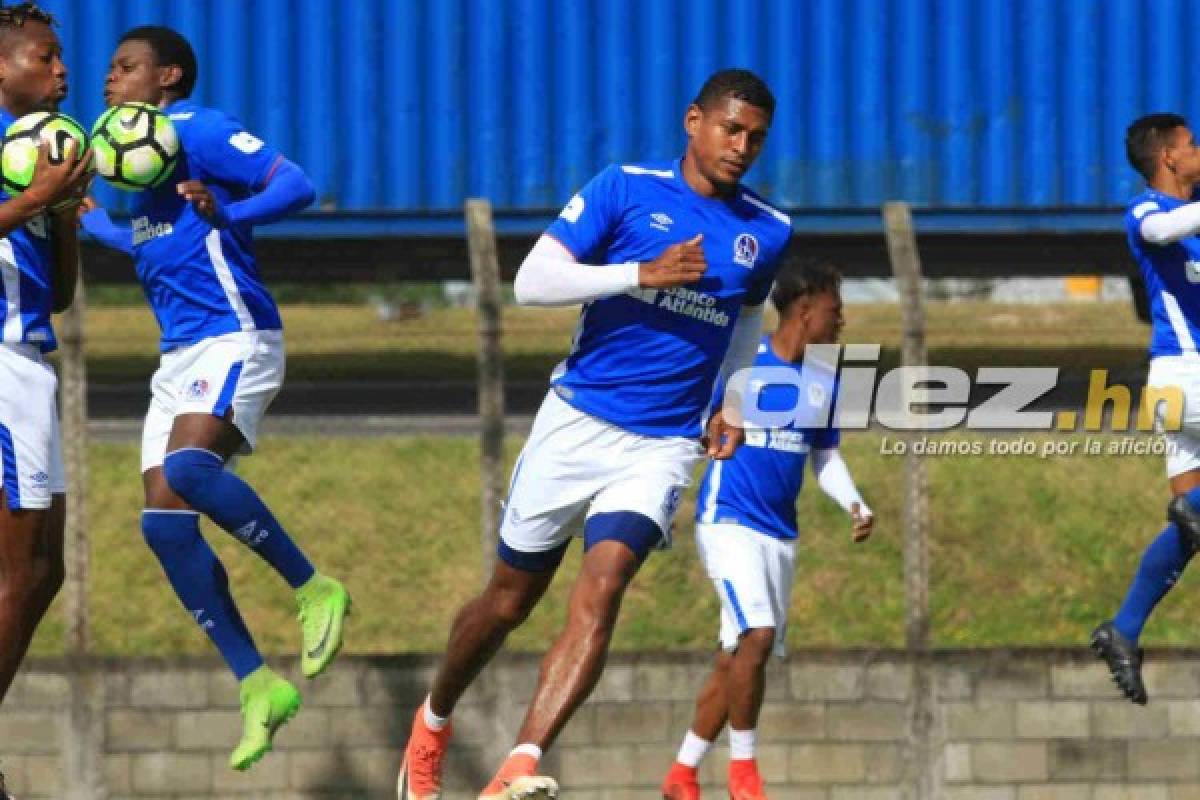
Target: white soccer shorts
<point>240,371</point>
<point>575,465</point>
<point>31,466</point>
<point>1183,453</point>
<point>752,573</point>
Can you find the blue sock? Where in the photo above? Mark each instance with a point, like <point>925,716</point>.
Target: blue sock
<point>200,478</point>
<point>201,583</point>
<point>1161,566</point>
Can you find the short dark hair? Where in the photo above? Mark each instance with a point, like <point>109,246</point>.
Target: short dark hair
<point>805,277</point>
<point>171,49</point>
<point>13,18</point>
<point>17,15</point>
<point>1146,138</point>
<point>740,83</point>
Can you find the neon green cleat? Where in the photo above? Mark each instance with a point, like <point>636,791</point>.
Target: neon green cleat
<point>268,701</point>
<point>324,605</point>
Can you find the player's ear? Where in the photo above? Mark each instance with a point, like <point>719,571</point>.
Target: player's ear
<point>169,76</point>
<point>691,119</point>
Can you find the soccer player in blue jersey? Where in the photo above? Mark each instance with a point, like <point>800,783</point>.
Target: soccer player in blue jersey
<point>672,262</point>
<point>39,261</point>
<point>746,525</point>
<point>1163,228</point>
<point>222,364</point>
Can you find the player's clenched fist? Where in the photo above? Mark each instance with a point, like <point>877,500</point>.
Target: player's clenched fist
<point>678,265</point>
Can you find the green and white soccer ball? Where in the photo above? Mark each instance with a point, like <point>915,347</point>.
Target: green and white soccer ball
<point>135,146</point>
<point>19,149</point>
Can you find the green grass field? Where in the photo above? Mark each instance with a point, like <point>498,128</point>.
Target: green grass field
<point>350,341</point>
<point>1025,551</point>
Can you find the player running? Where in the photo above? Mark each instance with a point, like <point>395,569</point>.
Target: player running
<point>671,262</point>
<point>1163,226</point>
<point>39,263</point>
<point>222,364</point>
<point>746,520</point>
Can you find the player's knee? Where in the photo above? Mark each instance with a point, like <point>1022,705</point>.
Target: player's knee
<point>757,643</point>
<point>510,610</point>
<point>49,575</point>
<point>1187,519</point>
<point>190,472</point>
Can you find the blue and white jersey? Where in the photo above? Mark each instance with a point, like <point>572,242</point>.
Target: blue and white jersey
<point>1172,276</point>
<point>646,360</point>
<point>203,282</point>
<point>757,487</point>
<point>26,294</point>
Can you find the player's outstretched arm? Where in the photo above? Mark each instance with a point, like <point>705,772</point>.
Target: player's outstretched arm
<point>1166,227</point>
<point>97,224</point>
<point>286,191</point>
<point>833,476</point>
<point>64,239</point>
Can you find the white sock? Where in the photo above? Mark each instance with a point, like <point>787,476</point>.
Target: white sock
<point>741,745</point>
<point>528,749</point>
<point>432,720</point>
<point>693,750</point>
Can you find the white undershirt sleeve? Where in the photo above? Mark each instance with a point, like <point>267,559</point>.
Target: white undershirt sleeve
<point>833,476</point>
<point>550,276</point>
<point>743,342</point>
<point>1165,227</point>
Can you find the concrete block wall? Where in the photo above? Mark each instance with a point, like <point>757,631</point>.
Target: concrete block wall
<point>1011,725</point>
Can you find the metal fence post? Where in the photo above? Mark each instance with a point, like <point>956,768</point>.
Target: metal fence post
<point>485,274</point>
<point>906,266</point>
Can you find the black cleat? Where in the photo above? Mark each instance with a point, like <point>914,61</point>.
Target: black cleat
<point>1124,659</point>
<point>1180,511</point>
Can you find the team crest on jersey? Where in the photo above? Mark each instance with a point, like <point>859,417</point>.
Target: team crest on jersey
<point>197,389</point>
<point>745,250</point>
<point>1192,271</point>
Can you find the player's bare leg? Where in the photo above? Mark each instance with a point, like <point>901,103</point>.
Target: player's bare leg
<point>712,711</point>
<point>747,682</point>
<point>478,632</point>
<point>31,573</point>
<point>571,668</point>
<point>480,628</point>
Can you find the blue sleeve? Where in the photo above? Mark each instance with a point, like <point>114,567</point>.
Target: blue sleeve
<point>230,154</point>
<point>287,191</point>
<point>590,217</point>
<point>98,225</point>
<point>1138,212</point>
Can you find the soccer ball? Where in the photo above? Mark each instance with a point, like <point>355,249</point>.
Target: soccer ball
<point>136,146</point>
<point>19,149</point>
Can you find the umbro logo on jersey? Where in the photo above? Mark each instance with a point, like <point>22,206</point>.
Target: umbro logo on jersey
<point>1192,271</point>
<point>745,250</point>
<point>144,231</point>
<point>661,222</point>
<point>39,478</point>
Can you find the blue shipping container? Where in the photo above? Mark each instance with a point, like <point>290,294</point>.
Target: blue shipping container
<point>983,113</point>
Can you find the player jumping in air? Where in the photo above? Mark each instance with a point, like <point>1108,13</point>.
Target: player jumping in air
<point>222,364</point>
<point>746,520</point>
<point>672,262</point>
<point>39,262</point>
<point>1163,227</point>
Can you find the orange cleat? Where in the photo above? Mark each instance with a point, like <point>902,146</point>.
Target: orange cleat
<point>681,783</point>
<point>744,781</point>
<point>517,779</point>
<point>421,771</point>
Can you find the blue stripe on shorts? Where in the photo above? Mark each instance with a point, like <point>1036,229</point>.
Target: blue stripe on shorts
<point>12,481</point>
